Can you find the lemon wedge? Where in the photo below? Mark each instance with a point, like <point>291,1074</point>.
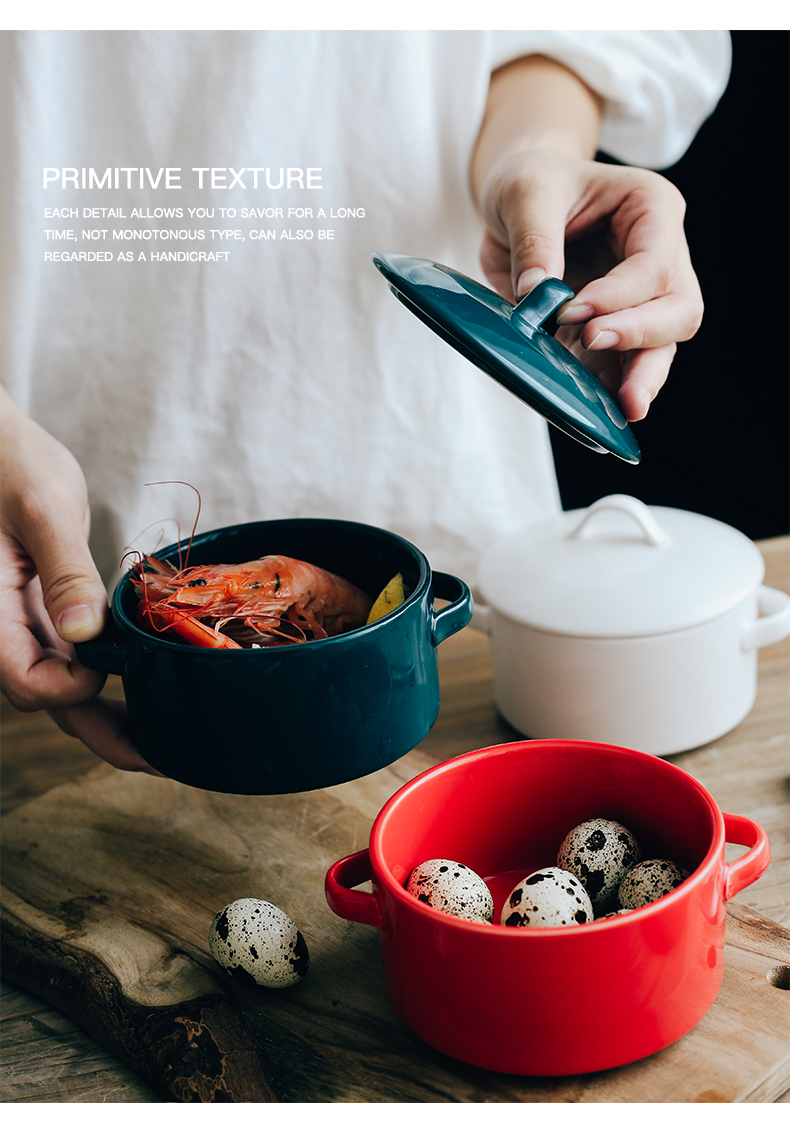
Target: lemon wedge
<point>391,597</point>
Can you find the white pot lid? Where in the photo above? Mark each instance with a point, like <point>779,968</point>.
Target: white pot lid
<point>620,569</point>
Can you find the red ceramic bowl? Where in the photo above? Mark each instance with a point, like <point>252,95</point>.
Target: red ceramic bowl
<point>558,1001</point>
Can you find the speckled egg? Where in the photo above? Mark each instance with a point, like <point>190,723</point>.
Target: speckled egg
<point>551,897</point>
<point>600,853</point>
<point>259,944</point>
<point>452,888</point>
<point>648,881</point>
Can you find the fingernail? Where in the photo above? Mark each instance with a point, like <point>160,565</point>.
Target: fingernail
<point>575,311</point>
<point>603,340</point>
<point>528,279</point>
<point>77,620</point>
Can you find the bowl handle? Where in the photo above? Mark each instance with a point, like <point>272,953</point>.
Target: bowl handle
<point>481,618</point>
<point>105,652</point>
<point>774,624</point>
<point>358,906</point>
<point>749,867</point>
<point>457,614</point>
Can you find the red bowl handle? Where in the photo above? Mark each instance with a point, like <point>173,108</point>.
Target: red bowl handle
<point>358,906</point>
<point>749,867</point>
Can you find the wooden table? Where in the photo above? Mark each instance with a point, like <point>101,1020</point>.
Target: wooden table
<point>46,1058</point>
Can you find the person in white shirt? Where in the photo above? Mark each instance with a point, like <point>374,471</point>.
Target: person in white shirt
<point>285,380</point>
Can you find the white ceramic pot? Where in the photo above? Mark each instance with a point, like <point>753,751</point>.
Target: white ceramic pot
<point>625,624</point>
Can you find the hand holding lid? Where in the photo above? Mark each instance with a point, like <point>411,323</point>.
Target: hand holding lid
<point>509,343</point>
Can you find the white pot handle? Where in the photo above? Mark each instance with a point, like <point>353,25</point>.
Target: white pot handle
<point>481,618</point>
<point>634,508</point>
<point>774,607</point>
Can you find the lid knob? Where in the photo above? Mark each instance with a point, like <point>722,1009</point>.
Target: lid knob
<point>539,304</point>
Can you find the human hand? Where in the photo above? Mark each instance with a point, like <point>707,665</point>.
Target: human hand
<point>51,594</point>
<point>615,235</point>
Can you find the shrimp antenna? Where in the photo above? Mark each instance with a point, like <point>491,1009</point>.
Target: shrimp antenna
<point>197,515</point>
<point>160,537</point>
<point>131,552</point>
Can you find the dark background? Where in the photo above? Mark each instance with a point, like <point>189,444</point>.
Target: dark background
<point>716,438</point>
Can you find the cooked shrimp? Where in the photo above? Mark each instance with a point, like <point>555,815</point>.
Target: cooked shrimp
<point>274,600</point>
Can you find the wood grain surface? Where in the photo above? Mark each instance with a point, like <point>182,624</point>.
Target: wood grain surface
<point>106,860</point>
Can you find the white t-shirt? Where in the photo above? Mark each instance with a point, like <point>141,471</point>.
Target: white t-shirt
<point>284,379</point>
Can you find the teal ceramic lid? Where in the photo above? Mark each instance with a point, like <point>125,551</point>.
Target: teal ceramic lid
<point>509,343</point>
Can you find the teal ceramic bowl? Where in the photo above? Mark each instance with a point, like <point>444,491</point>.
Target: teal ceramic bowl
<point>289,718</point>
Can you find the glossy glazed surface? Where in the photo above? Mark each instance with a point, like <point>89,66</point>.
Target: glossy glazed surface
<point>620,569</point>
<point>556,1001</point>
<point>509,343</point>
<point>293,718</point>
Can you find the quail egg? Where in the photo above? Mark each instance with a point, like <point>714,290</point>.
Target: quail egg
<point>258,943</point>
<point>452,888</point>
<point>649,880</point>
<point>551,897</point>
<point>600,853</point>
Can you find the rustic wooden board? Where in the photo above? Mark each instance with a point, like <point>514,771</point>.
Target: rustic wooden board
<point>120,875</point>
<point>47,1058</point>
